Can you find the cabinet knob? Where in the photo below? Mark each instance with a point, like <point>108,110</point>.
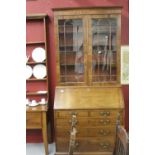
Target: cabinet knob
<point>104,145</point>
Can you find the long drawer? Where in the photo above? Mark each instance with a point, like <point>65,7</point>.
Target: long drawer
<point>87,132</point>
<point>86,145</point>
<point>87,113</point>
<point>86,122</point>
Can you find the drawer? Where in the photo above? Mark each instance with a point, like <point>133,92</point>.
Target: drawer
<point>65,132</point>
<point>87,132</point>
<point>86,145</point>
<point>67,122</point>
<point>33,120</point>
<point>68,114</point>
<point>86,122</point>
<point>101,121</point>
<point>107,131</point>
<point>104,113</point>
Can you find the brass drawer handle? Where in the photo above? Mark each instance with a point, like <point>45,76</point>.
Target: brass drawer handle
<point>105,121</point>
<point>103,132</point>
<point>105,113</point>
<point>73,113</point>
<point>104,145</point>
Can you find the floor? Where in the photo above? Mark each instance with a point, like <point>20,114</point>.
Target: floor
<point>38,149</point>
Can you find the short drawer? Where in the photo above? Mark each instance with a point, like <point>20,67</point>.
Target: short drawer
<point>86,145</point>
<point>64,114</point>
<point>33,120</point>
<point>65,132</point>
<point>104,113</point>
<point>107,131</point>
<point>67,122</point>
<point>101,121</point>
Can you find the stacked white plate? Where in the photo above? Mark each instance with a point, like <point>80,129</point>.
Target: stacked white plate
<point>28,71</point>
<point>39,54</point>
<point>33,103</point>
<point>43,101</point>
<point>39,71</point>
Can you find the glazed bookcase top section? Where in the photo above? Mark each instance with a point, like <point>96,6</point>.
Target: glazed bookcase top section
<point>88,46</point>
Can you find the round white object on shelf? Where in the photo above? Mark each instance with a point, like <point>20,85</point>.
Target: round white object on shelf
<point>33,103</point>
<point>43,101</point>
<point>39,71</point>
<point>28,71</point>
<point>27,101</point>
<point>39,54</point>
<point>27,58</point>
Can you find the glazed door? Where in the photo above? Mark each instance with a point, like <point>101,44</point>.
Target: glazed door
<point>72,51</point>
<point>104,41</point>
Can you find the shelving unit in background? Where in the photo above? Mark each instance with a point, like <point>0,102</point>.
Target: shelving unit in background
<point>36,37</point>
<point>36,89</point>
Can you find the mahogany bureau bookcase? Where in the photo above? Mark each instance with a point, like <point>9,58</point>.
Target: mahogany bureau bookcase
<point>88,78</point>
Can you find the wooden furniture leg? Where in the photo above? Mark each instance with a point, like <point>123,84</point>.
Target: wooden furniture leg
<point>44,132</point>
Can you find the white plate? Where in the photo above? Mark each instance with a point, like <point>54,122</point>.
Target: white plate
<point>42,103</point>
<point>27,101</point>
<point>33,104</point>
<point>38,54</point>
<point>39,71</point>
<point>28,71</point>
<point>27,58</point>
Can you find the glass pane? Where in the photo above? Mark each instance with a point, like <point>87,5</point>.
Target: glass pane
<point>71,50</point>
<point>104,50</point>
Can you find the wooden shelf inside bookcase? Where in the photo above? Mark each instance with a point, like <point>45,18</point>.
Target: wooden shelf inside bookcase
<point>73,64</point>
<point>70,33</point>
